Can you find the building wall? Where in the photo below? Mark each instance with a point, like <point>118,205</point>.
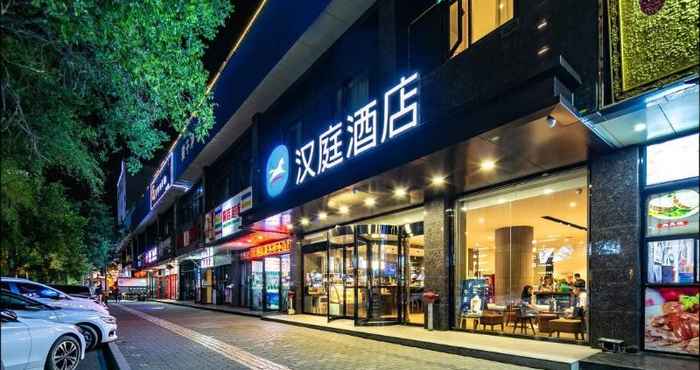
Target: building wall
<point>614,257</point>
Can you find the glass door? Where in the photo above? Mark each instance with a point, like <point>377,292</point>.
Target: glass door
<point>256,285</point>
<point>340,287</point>
<point>286,279</point>
<point>378,275</point>
<point>336,282</point>
<point>272,283</point>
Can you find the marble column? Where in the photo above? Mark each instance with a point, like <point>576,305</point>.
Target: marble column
<point>513,260</point>
<point>437,239</point>
<point>614,248</point>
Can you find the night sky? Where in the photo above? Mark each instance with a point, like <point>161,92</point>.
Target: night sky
<point>214,56</point>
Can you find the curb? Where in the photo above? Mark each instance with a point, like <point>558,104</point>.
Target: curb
<point>444,348</point>
<point>210,309</point>
<point>115,358</point>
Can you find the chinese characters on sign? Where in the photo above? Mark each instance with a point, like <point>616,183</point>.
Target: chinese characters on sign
<point>161,181</point>
<point>151,255</point>
<point>275,248</point>
<point>360,131</point>
<point>207,258</point>
<point>225,219</point>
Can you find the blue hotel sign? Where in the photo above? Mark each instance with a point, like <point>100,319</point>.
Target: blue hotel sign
<point>162,181</point>
<point>366,129</point>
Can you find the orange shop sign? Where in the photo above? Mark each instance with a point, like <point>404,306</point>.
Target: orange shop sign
<point>280,247</point>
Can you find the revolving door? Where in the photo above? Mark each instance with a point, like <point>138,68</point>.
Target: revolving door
<point>365,274</point>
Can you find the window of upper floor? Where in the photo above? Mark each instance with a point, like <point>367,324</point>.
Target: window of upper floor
<point>471,20</point>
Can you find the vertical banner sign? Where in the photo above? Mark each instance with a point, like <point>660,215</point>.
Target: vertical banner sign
<point>209,226</point>
<point>162,181</point>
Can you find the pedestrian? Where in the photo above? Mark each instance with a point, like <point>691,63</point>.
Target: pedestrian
<point>106,296</point>
<point>117,296</point>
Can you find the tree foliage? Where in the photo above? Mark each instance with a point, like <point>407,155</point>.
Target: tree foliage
<point>81,81</point>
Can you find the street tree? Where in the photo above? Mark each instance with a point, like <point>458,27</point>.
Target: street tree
<point>82,81</point>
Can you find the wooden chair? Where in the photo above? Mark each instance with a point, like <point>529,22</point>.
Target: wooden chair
<point>523,318</point>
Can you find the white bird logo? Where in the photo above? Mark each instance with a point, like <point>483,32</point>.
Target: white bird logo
<point>277,172</point>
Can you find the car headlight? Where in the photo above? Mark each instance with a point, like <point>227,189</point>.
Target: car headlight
<point>109,319</point>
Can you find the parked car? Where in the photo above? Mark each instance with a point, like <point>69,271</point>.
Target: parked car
<point>47,295</point>
<point>94,326</point>
<point>79,291</point>
<point>34,344</point>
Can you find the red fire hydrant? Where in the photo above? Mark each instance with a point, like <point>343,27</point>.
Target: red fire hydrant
<point>430,297</point>
<point>290,302</point>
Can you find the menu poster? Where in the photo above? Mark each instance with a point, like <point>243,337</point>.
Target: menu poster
<point>673,213</point>
<point>671,262</point>
<point>671,319</point>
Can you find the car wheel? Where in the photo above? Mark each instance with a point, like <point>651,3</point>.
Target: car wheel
<point>90,336</point>
<point>64,354</point>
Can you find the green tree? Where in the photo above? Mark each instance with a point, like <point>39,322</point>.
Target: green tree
<point>82,81</point>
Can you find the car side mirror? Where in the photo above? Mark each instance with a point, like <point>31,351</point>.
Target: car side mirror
<point>7,315</point>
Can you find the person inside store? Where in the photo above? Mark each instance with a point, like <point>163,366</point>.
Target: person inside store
<point>547,284</point>
<point>580,303</point>
<point>526,301</point>
<point>526,295</point>
<point>578,282</point>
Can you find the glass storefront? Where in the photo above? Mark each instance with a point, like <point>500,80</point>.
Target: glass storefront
<point>370,272</point>
<point>521,258</point>
<point>265,280</point>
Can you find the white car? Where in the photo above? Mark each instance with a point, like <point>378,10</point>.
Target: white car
<point>48,295</point>
<point>95,327</point>
<point>32,344</point>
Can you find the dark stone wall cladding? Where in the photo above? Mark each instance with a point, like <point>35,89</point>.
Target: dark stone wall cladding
<point>614,257</point>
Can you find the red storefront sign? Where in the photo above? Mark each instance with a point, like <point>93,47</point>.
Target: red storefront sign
<point>280,247</point>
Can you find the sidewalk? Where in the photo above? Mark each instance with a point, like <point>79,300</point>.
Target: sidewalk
<point>524,352</point>
<point>212,307</point>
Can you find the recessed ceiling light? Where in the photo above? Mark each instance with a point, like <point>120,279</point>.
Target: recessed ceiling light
<point>437,180</point>
<point>548,191</point>
<point>572,204</point>
<point>501,201</point>
<point>488,164</point>
<point>640,127</point>
<point>400,192</point>
<point>304,221</point>
<point>259,237</point>
<point>463,208</point>
<point>343,210</point>
<point>481,220</point>
<point>331,203</point>
<point>322,215</point>
<point>370,202</point>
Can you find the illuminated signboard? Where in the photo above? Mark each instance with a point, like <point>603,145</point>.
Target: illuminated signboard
<point>280,247</point>
<point>366,129</point>
<point>225,219</point>
<point>162,181</point>
<point>151,255</point>
<point>277,170</point>
<point>207,258</point>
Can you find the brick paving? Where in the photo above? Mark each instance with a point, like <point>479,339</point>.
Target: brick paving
<point>146,345</point>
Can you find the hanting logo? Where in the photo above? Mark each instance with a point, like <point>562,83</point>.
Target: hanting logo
<point>277,170</point>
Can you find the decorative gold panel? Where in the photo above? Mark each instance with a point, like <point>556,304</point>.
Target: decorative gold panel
<point>652,43</point>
